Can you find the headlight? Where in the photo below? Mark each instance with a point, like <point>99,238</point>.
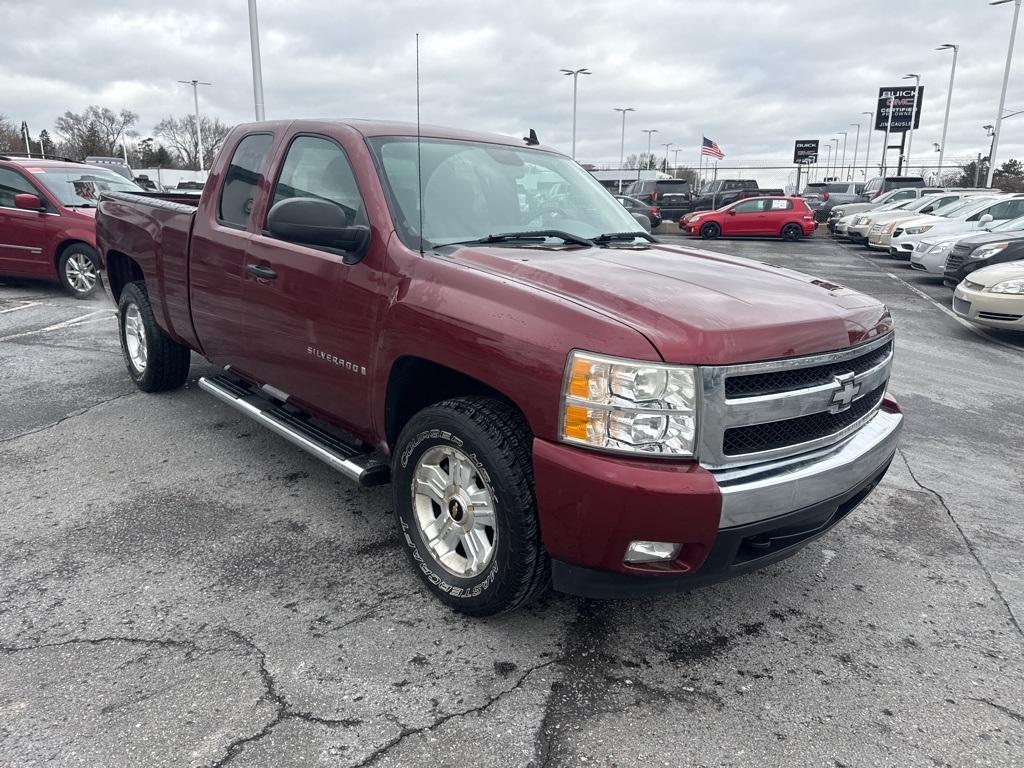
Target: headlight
<point>918,230</point>
<point>865,222</point>
<point>890,228</point>
<point>629,406</point>
<point>940,247</point>
<point>1009,286</point>
<point>988,251</point>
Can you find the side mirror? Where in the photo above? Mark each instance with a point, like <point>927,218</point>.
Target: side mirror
<point>319,223</point>
<point>644,221</point>
<point>28,202</point>
<point>732,211</point>
<point>985,219</point>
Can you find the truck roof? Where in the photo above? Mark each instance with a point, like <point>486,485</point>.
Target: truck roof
<point>371,128</point>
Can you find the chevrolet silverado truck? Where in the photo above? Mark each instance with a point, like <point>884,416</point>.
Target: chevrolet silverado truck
<point>554,396</point>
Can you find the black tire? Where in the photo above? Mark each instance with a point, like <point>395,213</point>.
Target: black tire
<point>710,231</point>
<point>497,439</point>
<point>77,270</point>
<point>166,361</point>
<point>792,232</point>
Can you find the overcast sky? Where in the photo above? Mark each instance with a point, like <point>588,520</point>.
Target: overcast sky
<point>752,74</point>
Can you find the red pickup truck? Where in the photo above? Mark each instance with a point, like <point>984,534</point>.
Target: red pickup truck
<point>555,396</point>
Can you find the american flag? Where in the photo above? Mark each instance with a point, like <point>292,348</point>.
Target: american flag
<point>710,148</point>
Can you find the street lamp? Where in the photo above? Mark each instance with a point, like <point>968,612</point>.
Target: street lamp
<point>828,159</point>
<point>990,131</point>
<point>257,65</point>
<point>843,134</point>
<point>913,115</point>
<point>871,130</point>
<point>199,134</point>
<point>949,100</point>
<point>666,146</point>
<point>856,144</point>
<point>836,156</point>
<point>622,140</point>
<point>1002,95</point>
<point>639,166</point>
<point>575,74</point>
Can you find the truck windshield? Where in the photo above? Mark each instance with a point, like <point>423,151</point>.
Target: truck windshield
<point>473,190</point>
<point>81,188</point>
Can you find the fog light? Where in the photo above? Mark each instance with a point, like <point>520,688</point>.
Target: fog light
<point>651,551</point>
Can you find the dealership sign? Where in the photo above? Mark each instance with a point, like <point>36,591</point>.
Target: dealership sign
<point>805,151</point>
<point>902,108</point>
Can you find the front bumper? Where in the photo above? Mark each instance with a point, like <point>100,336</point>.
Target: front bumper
<point>728,521</point>
<point>996,310</point>
<point>932,263</point>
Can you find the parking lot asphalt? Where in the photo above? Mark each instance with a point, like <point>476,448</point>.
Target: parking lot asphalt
<point>179,587</point>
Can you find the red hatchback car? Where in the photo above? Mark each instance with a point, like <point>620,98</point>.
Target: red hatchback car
<point>47,219</point>
<point>785,217</point>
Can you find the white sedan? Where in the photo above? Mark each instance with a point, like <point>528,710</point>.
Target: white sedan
<point>993,296</point>
<point>974,216</point>
<point>931,253</point>
<point>883,223</point>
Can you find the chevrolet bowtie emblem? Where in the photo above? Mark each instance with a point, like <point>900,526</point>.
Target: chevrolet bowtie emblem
<point>845,392</point>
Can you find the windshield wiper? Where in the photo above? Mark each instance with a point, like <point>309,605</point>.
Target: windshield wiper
<point>531,235</point>
<point>609,237</point>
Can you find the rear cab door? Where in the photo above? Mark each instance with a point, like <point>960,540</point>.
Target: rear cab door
<point>311,327</point>
<point>219,243</point>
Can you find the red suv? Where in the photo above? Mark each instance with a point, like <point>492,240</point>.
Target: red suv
<point>785,217</point>
<point>47,219</point>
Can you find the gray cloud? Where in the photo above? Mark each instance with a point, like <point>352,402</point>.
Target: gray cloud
<point>753,74</point>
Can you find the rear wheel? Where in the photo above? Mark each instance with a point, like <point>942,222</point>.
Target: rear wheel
<point>155,361</point>
<point>710,231</point>
<point>464,499</point>
<point>77,270</point>
<point>792,232</point>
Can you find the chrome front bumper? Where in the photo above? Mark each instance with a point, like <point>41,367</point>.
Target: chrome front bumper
<point>763,491</point>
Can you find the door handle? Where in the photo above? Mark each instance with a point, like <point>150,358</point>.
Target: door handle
<point>258,270</point>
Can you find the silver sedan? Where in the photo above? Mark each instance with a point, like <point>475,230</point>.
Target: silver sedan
<point>930,255</point>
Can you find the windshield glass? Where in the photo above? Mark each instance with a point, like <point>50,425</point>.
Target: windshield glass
<point>473,189</point>
<point>920,202</point>
<point>968,207</point>
<point>953,207</point>
<point>1012,225</point>
<point>78,187</point>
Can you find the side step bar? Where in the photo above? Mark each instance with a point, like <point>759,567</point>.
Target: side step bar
<point>365,468</point>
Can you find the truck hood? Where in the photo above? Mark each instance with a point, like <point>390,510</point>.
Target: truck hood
<point>696,306</point>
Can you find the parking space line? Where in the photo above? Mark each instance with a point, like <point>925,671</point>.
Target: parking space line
<point>75,321</point>
<point>26,305</point>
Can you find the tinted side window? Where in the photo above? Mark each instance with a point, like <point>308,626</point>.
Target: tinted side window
<point>317,167</point>
<point>1008,209</point>
<point>241,179</point>
<point>750,206</point>
<point>905,195</point>
<point>13,183</point>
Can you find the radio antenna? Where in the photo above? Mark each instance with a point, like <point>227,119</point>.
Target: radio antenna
<point>419,160</point>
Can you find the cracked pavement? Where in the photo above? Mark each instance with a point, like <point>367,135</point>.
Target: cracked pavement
<point>179,587</point>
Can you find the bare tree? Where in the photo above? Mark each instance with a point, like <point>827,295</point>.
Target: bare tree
<point>180,135</point>
<point>95,131</point>
<point>10,136</point>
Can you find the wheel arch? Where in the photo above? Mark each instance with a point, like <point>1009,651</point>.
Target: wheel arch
<point>121,269</point>
<point>66,243</point>
<point>415,383</point>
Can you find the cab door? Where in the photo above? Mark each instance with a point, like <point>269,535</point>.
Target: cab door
<point>747,218</point>
<point>22,232</point>
<point>310,316</point>
<point>217,251</point>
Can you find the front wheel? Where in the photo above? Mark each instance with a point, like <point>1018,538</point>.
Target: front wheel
<point>77,270</point>
<point>155,361</point>
<point>710,231</point>
<point>464,500</point>
<point>792,232</point>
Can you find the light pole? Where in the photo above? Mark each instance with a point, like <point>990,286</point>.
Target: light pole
<point>675,158</point>
<point>257,65</point>
<point>1002,95</point>
<point>575,74</point>
<point>843,166</point>
<point>856,144</point>
<point>888,130</point>
<point>949,100</point>
<point>871,130</point>
<point>835,156</point>
<point>828,159</point>
<point>913,115</point>
<point>199,134</point>
<point>639,166</point>
<point>990,131</point>
<point>622,140</point>
<point>666,146</point>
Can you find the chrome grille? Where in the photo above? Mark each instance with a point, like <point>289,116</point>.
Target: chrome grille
<point>763,411</point>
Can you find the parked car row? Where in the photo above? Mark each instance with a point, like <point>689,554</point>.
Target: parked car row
<point>972,239</point>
